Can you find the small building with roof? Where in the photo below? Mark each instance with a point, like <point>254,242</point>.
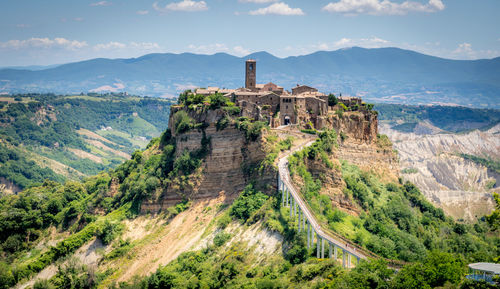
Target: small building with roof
<point>484,271</point>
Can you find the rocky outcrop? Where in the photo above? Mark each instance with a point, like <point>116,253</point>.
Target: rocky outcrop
<point>432,162</point>
<point>361,126</point>
<point>227,167</point>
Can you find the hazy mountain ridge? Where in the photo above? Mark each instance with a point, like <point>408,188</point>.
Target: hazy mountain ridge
<point>384,74</point>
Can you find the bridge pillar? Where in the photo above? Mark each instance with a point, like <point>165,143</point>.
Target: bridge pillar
<point>343,258</point>
<point>348,260</point>
<point>286,190</point>
<point>282,194</point>
<point>322,248</point>
<point>329,250</point>
<point>317,245</point>
<point>357,260</point>
<point>308,235</point>
<point>295,208</point>
<point>299,221</point>
<point>335,252</point>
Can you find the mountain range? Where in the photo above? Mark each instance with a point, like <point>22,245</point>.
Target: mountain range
<point>378,75</point>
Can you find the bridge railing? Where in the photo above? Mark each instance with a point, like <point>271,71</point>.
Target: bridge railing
<point>333,235</point>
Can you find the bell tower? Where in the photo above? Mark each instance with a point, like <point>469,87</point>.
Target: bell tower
<point>250,73</point>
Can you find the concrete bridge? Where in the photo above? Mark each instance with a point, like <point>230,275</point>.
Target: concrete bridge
<point>337,246</point>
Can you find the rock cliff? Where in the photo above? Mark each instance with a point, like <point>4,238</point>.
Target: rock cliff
<point>226,169</point>
<point>359,125</point>
<point>431,161</point>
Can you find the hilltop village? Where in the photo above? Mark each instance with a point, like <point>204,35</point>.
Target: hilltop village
<point>304,106</point>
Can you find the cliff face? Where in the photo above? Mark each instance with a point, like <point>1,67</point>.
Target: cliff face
<point>361,126</point>
<point>225,169</point>
<point>458,186</point>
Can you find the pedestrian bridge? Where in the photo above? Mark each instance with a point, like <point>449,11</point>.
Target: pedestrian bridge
<point>337,246</point>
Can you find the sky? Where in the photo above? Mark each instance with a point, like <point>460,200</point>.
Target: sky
<point>34,32</point>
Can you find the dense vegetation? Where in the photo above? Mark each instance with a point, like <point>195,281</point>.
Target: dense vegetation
<point>233,265</point>
<point>396,220</point>
<point>487,162</point>
<point>448,118</point>
<point>37,125</point>
<point>17,167</point>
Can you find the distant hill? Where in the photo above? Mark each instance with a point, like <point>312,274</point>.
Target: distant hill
<point>71,137</point>
<point>378,75</point>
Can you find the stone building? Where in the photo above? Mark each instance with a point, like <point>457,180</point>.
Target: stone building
<point>304,105</point>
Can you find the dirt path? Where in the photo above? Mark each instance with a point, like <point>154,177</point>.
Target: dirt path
<point>86,155</point>
<point>93,135</point>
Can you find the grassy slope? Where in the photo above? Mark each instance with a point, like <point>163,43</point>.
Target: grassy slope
<point>44,120</point>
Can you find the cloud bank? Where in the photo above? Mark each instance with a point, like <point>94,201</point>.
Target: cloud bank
<point>382,7</point>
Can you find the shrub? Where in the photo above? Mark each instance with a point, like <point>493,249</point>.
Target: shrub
<point>222,123</point>
<point>182,122</point>
<point>108,231</point>
<point>309,131</point>
<point>218,100</point>
<point>221,238</point>
<point>247,203</point>
<point>232,110</point>
<point>223,221</point>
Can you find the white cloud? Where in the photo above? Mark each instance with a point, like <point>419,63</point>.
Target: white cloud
<point>43,51</point>
<point>43,43</point>
<point>208,48</point>
<point>257,1</point>
<point>135,46</point>
<point>218,47</point>
<point>372,42</point>
<point>101,3</point>
<point>280,8</point>
<point>145,45</point>
<point>184,5</point>
<point>240,51</point>
<point>142,12</point>
<point>110,45</point>
<point>464,50</point>
<point>382,7</point>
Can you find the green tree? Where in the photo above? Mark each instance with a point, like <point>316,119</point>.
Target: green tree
<point>494,218</point>
<point>332,99</point>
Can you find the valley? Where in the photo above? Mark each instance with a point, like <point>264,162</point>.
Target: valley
<point>71,137</point>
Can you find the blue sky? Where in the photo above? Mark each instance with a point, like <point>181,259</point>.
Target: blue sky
<point>34,32</point>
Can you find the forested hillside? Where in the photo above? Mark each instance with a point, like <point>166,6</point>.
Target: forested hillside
<point>45,136</point>
<point>92,234</point>
<point>405,118</point>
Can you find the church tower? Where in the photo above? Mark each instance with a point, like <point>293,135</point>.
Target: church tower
<point>250,74</point>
